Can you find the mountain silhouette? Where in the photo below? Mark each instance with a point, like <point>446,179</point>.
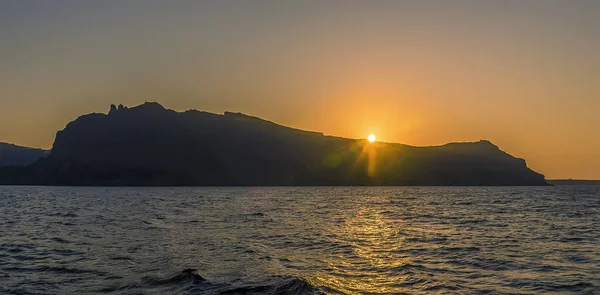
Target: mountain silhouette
<point>14,155</point>
<point>151,145</point>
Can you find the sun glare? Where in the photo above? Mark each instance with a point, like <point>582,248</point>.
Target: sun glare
<point>371,138</point>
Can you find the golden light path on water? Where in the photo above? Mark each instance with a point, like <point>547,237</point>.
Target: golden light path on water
<point>374,261</point>
<point>374,241</point>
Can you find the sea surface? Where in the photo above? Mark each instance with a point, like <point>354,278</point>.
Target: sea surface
<point>344,240</point>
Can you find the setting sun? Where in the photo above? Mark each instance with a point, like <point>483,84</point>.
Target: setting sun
<point>371,138</point>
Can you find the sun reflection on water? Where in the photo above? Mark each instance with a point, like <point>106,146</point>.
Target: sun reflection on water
<point>374,241</point>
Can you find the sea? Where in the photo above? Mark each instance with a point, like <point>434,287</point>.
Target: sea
<point>300,240</point>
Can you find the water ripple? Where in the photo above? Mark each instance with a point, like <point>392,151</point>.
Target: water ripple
<point>422,240</point>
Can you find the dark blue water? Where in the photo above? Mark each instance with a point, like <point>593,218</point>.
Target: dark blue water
<point>300,240</point>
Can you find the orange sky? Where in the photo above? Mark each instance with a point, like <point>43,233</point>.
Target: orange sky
<point>523,74</point>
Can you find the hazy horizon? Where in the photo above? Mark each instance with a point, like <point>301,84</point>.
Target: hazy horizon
<point>520,74</point>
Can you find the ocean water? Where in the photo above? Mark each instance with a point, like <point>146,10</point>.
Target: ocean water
<point>346,240</point>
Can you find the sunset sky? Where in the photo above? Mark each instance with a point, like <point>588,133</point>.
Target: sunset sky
<point>522,74</point>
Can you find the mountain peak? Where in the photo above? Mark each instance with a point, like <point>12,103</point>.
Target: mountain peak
<point>151,105</point>
<point>148,106</point>
<point>487,142</point>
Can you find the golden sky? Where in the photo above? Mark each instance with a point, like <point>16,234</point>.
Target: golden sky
<point>523,74</point>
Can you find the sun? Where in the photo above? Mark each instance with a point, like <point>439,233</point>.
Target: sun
<point>371,138</point>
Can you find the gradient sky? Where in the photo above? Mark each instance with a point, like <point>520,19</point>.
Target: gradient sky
<point>523,74</point>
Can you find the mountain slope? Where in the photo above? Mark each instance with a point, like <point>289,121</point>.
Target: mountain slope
<point>14,155</point>
<point>150,145</point>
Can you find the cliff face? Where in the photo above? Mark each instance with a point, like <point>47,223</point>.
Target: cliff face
<point>14,155</point>
<point>150,145</point>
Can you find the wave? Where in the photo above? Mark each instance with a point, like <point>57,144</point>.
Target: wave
<point>279,286</point>
<point>54,269</point>
<point>189,281</point>
<point>63,214</point>
<point>187,278</point>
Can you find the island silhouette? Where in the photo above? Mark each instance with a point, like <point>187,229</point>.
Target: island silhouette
<point>149,145</point>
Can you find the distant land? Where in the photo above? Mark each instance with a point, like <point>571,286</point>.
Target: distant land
<point>153,146</point>
<point>573,182</point>
<point>11,154</point>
